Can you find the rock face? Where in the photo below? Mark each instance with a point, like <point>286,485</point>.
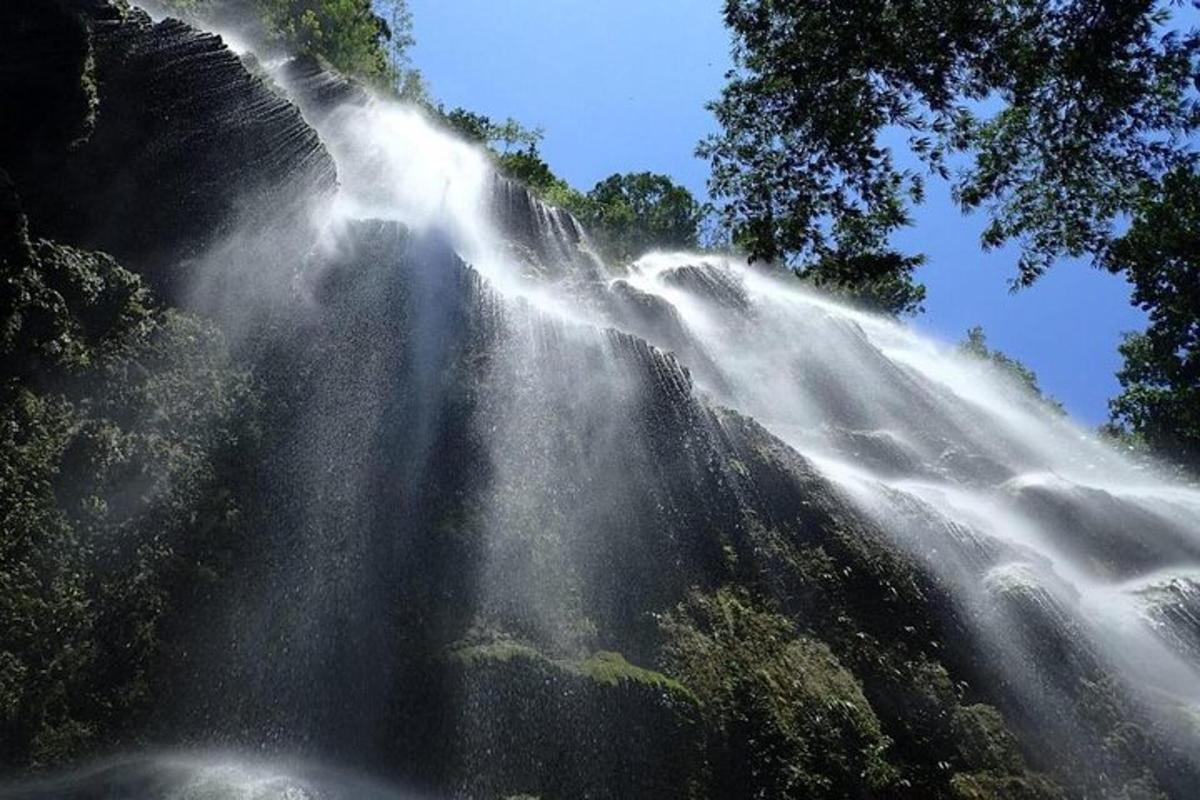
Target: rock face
<point>47,85</point>
<point>319,90</point>
<point>590,728</point>
<point>170,141</point>
<point>549,240</point>
<point>436,611</point>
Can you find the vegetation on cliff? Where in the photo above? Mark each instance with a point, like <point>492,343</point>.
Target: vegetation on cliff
<point>123,426</point>
<point>783,715</point>
<point>975,345</point>
<point>364,39</point>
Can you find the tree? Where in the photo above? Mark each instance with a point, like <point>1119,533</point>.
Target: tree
<point>347,33</point>
<point>471,126</point>
<point>627,214</point>
<point>975,345</point>
<point>1061,110</point>
<point>1159,402</point>
<point>877,281</point>
<point>513,147</point>
<point>637,211</point>
<point>500,136</point>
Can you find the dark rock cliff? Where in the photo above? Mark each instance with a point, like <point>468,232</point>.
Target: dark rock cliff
<point>161,140</point>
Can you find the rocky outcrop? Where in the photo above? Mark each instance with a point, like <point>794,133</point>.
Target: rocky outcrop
<point>318,89</point>
<point>597,727</point>
<point>147,140</point>
<point>548,240</point>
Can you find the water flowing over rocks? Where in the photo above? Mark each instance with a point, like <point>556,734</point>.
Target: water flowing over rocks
<point>519,523</point>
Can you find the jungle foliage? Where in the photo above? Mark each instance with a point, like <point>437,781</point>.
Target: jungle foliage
<point>1049,114</point>
<point>120,425</point>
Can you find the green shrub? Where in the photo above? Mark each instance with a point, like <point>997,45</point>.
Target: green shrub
<point>115,419</point>
<point>786,719</point>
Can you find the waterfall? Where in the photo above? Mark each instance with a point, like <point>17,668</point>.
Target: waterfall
<point>1028,517</point>
<point>999,493</point>
<point>488,434</point>
<point>1068,561</point>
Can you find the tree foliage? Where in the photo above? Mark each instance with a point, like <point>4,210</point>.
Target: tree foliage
<point>877,281</point>
<point>117,421</point>
<point>1159,401</point>
<point>975,345</point>
<point>1060,111</point>
<point>627,214</point>
<point>347,33</point>
<point>637,211</point>
<point>503,136</point>
<point>366,39</point>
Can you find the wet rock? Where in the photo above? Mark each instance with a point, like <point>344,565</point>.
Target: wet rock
<point>317,89</point>
<point>1172,607</point>
<point>554,242</point>
<point>598,727</point>
<point>175,143</point>
<point>1104,529</point>
<point>709,280</point>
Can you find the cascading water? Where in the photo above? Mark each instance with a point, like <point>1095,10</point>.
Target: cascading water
<point>992,488</point>
<point>941,449</point>
<point>470,365</point>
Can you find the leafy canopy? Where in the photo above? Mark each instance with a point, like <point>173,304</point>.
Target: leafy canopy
<point>637,211</point>
<point>1049,114</point>
<point>877,280</point>
<point>1159,401</point>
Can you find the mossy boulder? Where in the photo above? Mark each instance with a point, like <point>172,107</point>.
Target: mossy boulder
<point>1002,786</point>
<point>116,420</point>
<point>598,727</point>
<point>785,718</point>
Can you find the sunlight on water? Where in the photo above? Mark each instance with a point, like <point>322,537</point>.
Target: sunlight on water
<point>889,415</point>
<point>187,776</point>
<point>944,451</point>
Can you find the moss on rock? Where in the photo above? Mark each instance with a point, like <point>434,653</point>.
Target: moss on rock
<point>1002,786</point>
<point>784,716</point>
<point>597,727</point>
<point>114,416</point>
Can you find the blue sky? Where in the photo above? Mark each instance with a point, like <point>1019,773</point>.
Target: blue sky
<point>620,86</point>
